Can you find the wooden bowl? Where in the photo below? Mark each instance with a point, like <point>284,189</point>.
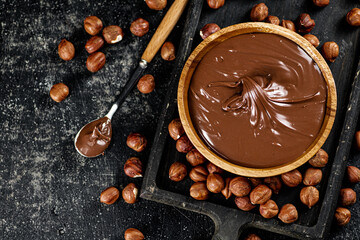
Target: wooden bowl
<point>223,35</point>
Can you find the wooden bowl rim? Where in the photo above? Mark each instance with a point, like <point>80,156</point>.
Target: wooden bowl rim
<point>245,28</point>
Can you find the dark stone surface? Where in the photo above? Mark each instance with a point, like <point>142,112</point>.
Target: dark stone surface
<point>47,190</point>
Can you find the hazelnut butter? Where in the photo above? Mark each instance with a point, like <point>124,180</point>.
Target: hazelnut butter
<point>257,100</point>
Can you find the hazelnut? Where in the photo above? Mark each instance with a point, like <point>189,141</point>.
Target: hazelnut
<point>273,20</point>
<point>93,25</point>
<point>274,183</point>
<point>95,61</point>
<point>146,84</point>
<point>353,17</point>
<point>304,23</point>
<point>183,144</point>
<point>259,12</point>
<point>212,168</point>
<point>195,158</point>
<point>288,213</point>
<point>133,234</point>
<point>260,194</point>
<point>199,191</point>
<point>309,196</point>
<point>226,191</point>
<point>109,195</point>
<point>292,178</point>
<point>353,174</point>
<point>330,51</point>
<point>177,171</point>
<point>175,129</point>
<point>136,142</point>
<point>321,3</point>
<point>342,216</point>
<point>215,183</point>
<point>269,209</point>
<point>139,27</point>
<point>252,236</point>
<point>312,177</point>
<point>130,193</point>
<point>312,39</point>
<point>347,197</point>
<point>288,24</point>
<point>113,34</point>
<point>59,92</point>
<point>94,44</point>
<point>66,50</point>
<point>168,51</point>
<point>133,167</point>
<point>198,174</point>
<point>320,159</point>
<point>215,4</point>
<point>357,139</point>
<point>209,29</point>
<point>255,181</point>
<point>156,4</point>
<point>240,186</point>
<point>244,203</point>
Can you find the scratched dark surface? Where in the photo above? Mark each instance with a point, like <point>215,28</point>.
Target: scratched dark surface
<point>47,190</point>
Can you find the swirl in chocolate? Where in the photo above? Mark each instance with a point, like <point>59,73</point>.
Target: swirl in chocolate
<point>257,100</point>
<point>94,138</point>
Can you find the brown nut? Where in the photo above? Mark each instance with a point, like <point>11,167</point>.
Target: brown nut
<point>255,181</point>
<point>312,177</point>
<point>113,34</point>
<point>95,61</point>
<point>260,194</point>
<point>342,216</point>
<point>304,23</point>
<point>195,158</point>
<point>198,174</point>
<point>273,20</point>
<point>94,44</point>
<point>353,17</point>
<point>209,29</point>
<point>215,4</point>
<point>183,144</point>
<point>330,51</point>
<point>176,129</point>
<point>269,209</point>
<point>136,142</point>
<point>93,25</point>
<point>66,50</point>
<point>139,27</point>
<point>133,167</point>
<point>259,12</point>
<point>146,84</point>
<point>357,140</point>
<point>177,171</point>
<point>199,191</point>
<point>156,4</point>
<point>309,196</point>
<point>130,193</point>
<point>292,178</point>
<point>312,39</point>
<point>288,213</point>
<point>59,92</point>
<point>320,159</point>
<point>240,186</point>
<point>212,168</point>
<point>274,183</point>
<point>347,197</point>
<point>168,51</point>
<point>321,3</point>
<point>252,236</point>
<point>215,183</point>
<point>288,24</point>
<point>133,234</point>
<point>109,195</point>
<point>226,191</point>
<point>244,203</point>
<point>353,174</point>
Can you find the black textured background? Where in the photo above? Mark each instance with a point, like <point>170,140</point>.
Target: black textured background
<point>47,190</point>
